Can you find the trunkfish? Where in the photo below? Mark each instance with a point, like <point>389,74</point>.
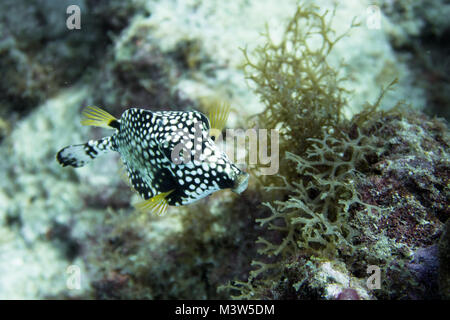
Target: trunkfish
<point>170,157</point>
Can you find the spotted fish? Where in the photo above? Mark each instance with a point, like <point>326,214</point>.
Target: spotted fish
<point>170,156</point>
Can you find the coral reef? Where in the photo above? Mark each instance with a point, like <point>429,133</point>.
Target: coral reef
<point>378,197</point>
<point>369,191</point>
<point>410,179</point>
<point>444,262</point>
<point>211,244</point>
<point>419,33</point>
<point>39,55</point>
<point>357,186</point>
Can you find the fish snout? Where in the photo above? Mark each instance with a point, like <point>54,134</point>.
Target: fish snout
<point>241,182</point>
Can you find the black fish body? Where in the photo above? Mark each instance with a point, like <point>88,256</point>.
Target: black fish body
<point>169,155</point>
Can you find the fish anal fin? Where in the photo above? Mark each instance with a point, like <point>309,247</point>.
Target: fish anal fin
<point>157,205</point>
<point>95,116</point>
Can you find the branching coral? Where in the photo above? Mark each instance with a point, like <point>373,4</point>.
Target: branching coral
<point>314,218</point>
<point>360,198</point>
<point>320,213</point>
<point>304,97</point>
<point>319,203</point>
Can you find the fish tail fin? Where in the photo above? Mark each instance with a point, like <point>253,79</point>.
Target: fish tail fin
<point>158,204</point>
<point>218,117</point>
<point>95,116</point>
<point>80,154</point>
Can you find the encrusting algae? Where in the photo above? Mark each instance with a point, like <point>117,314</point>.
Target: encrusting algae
<point>170,156</point>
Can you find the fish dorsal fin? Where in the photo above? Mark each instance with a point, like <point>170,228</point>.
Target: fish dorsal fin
<point>158,204</point>
<point>218,116</point>
<point>94,116</point>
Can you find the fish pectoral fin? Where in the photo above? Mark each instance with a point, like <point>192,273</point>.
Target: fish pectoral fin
<point>158,204</point>
<point>218,117</point>
<point>95,116</point>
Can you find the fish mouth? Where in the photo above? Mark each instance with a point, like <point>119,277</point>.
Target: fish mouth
<point>240,183</point>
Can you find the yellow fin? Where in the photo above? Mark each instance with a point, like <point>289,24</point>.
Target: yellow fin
<point>94,116</point>
<point>218,117</point>
<point>158,204</point>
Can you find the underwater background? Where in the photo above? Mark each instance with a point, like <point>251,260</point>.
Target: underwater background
<point>359,95</point>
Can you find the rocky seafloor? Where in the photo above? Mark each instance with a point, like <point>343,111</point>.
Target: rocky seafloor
<point>364,169</point>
